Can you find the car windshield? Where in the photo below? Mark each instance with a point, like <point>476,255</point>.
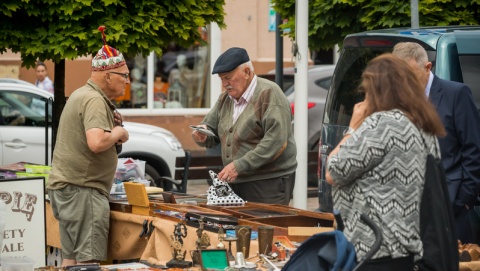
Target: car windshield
<point>22,104</point>
<point>343,94</point>
<point>323,83</point>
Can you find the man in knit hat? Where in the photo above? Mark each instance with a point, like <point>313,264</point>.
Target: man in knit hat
<point>252,121</point>
<point>85,159</point>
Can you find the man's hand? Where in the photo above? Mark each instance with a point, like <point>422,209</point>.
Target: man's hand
<point>199,137</point>
<point>122,133</point>
<point>228,173</point>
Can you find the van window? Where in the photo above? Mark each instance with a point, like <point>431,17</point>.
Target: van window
<point>470,66</point>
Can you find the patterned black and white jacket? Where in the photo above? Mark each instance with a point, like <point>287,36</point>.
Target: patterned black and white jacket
<point>380,171</point>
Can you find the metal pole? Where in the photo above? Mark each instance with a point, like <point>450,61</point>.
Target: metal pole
<point>278,52</point>
<point>301,115</point>
<point>414,13</point>
<point>54,129</point>
<point>47,123</point>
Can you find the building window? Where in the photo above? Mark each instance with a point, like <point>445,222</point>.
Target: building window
<point>180,80</point>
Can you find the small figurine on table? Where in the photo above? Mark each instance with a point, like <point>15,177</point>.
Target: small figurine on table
<point>221,236</point>
<point>178,259</point>
<point>180,232</point>
<point>203,240</point>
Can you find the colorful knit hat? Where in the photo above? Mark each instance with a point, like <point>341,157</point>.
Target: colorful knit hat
<point>107,57</point>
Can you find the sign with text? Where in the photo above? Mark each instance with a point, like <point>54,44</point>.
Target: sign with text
<point>24,232</point>
<point>272,18</point>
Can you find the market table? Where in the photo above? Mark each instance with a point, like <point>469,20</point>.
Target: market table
<point>125,243</point>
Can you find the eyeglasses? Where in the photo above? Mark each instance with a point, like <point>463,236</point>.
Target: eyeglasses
<point>125,75</point>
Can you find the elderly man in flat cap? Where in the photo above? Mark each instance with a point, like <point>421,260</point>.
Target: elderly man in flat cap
<point>252,122</point>
<point>85,160</point>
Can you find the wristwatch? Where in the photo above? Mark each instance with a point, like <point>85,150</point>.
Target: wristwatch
<point>349,131</point>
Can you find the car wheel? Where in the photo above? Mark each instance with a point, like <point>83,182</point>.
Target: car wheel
<point>151,174</point>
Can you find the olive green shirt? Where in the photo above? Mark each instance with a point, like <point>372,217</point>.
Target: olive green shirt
<point>73,161</point>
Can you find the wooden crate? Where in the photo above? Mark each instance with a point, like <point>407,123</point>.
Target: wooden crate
<point>280,217</point>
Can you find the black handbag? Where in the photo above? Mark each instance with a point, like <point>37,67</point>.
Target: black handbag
<point>437,226</point>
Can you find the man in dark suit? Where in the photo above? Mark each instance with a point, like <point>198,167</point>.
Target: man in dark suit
<point>460,148</point>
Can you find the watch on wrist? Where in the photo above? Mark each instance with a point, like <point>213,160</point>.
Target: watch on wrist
<point>349,131</point>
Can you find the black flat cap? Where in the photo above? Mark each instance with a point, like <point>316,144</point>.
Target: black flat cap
<point>230,59</point>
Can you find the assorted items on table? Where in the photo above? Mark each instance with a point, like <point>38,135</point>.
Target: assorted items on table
<point>24,169</point>
<point>128,170</point>
<point>178,231</point>
<point>260,232</point>
<point>168,230</point>
<point>214,231</point>
<point>469,255</point>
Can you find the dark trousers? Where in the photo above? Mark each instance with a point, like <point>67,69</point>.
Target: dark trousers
<point>387,263</point>
<point>475,222</point>
<point>272,191</point>
<point>463,226</point>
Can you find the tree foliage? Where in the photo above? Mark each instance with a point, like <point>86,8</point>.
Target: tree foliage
<point>66,29</point>
<point>330,21</point>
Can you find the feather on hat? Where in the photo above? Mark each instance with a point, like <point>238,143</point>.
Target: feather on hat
<point>107,57</point>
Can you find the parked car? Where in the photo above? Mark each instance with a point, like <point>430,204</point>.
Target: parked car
<point>26,141</point>
<point>288,77</point>
<point>453,50</point>
<point>319,78</point>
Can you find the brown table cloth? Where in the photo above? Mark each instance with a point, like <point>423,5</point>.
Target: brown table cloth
<point>125,243</point>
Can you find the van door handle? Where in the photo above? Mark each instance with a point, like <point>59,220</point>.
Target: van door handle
<point>16,145</point>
